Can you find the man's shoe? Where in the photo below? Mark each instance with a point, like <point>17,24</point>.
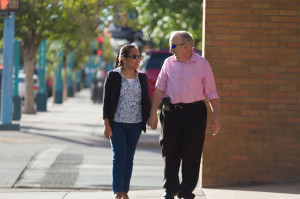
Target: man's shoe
<point>168,195</point>
<point>186,196</point>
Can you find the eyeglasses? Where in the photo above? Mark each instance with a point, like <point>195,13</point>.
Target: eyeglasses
<point>135,56</point>
<point>174,45</point>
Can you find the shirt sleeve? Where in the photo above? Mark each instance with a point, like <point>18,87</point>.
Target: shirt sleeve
<point>161,82</point>
<point>210,91</point>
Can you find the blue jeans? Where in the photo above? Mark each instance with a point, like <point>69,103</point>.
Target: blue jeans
<point>123,143</point>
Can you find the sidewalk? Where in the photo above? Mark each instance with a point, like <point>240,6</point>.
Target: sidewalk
<point>275,191</point>
<point>54,128</point>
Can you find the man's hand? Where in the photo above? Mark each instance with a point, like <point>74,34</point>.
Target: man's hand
<point>216,123</point>
<point>156,99</point>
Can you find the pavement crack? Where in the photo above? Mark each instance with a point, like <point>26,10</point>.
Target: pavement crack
<point>66,195</point>
<point>28,165</point>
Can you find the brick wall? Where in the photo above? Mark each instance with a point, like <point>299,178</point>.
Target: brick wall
<point>253,47</point>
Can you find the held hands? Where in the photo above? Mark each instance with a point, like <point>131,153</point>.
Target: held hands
<point>152,121</point>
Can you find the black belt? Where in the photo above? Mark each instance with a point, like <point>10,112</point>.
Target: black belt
<point>181,106</point>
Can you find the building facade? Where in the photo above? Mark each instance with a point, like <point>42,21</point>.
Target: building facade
<point>253,47</point>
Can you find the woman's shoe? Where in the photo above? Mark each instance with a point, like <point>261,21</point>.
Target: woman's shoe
<point>125,196</point>
<point>118,195</point>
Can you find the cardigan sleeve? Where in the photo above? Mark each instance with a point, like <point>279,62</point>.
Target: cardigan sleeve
<point>148,101</point>
<point>107,96</point>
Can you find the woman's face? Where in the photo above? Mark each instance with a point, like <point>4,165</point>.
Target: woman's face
<point>132,61</point>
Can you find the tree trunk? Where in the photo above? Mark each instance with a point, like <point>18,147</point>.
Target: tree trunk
<point>30,51</point>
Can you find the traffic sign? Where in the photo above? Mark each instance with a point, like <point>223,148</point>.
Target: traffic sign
<point>9,5</point>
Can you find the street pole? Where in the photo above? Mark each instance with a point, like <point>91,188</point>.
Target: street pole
<point>70,74</point>
<point>59,83</point>
<point>6,98</point>
<point>42,96</point>
<point>90,69</point>
<point>17,101</point>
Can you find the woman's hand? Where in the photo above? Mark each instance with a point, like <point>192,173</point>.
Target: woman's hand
<point>107,129</point>
<point>107,132</point>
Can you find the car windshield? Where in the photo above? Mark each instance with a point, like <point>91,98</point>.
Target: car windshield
<point>157,60</point>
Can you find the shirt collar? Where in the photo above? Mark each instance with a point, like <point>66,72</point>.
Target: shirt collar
<point>192,59</point>
<point>119,70</point>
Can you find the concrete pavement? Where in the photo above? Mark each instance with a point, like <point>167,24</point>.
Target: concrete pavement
<point>274,191</point>
<point>73,131</point>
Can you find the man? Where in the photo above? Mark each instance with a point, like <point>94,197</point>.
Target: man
<point>185,80</point>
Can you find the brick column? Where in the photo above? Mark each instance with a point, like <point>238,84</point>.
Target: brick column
<point>254,50</point>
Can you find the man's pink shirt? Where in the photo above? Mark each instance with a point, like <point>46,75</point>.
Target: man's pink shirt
<point>187,81</point>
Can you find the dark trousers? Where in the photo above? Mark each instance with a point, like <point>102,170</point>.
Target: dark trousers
<point>182,139</point>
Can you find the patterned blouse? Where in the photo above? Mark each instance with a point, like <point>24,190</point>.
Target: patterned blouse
<point>129,109</point>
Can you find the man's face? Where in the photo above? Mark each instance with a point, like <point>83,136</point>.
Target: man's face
<point>177,47</point>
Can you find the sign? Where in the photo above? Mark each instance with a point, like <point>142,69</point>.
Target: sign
<point>9,5</point>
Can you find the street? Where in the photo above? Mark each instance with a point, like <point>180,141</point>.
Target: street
<point>64,147</point>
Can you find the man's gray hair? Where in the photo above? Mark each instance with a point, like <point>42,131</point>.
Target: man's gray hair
<point>186,37</point>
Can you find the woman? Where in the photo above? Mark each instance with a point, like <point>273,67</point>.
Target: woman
<point>126,109</point>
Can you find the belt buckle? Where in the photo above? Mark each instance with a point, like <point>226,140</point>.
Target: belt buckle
<point>176,106</point>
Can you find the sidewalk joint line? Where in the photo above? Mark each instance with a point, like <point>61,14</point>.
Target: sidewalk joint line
<point>28,166</point>
<point>66,194</point>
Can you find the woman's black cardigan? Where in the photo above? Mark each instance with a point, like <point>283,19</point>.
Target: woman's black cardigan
<point>111,94</point>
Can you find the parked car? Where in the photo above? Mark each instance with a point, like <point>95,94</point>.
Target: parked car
<point>22,84</point>
<point>152,63</point>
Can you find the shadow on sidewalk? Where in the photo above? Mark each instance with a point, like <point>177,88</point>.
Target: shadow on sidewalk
<point>286,188</point>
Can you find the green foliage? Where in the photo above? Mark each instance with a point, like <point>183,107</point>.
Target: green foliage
<point>53,47</point>
<point>78,28</point>
<point>108,52</point>
<point>159,17</point>
<point>73,23</point>
<point>35,20</point>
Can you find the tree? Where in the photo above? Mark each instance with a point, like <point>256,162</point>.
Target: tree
<point>159,17</point>
<point>76,31</point>
<point>32,20</point>
<point>73,22</point>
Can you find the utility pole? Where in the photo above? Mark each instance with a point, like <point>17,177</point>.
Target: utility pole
<point>17,101</point>
<point>58,99</point>
<point>70,73</point>
<point>42,96</point>
<point>7,88</point>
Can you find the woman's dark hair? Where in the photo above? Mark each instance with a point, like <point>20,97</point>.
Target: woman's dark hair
<point>124,52</point>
